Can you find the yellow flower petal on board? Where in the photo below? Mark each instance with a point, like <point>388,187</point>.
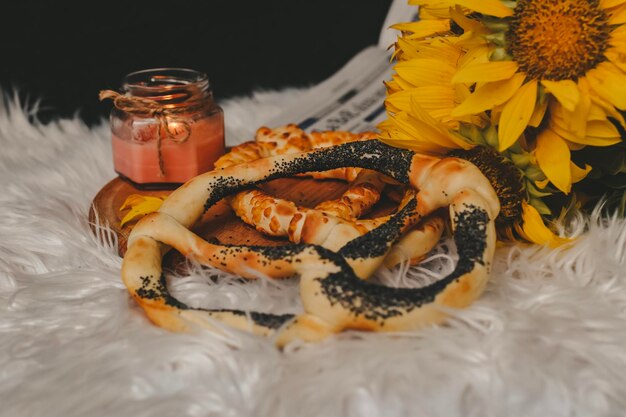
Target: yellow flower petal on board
<point>565,91</point>
<point>140,205</point>
<point>132,200</point>
<point>553,157</point>
<point>516,115</point>
<point>534,230</point>
<point>578,173</point>
<point>489,96</point>
<point>423,28</point>
<point>486,72</point>
<point>610,83</point>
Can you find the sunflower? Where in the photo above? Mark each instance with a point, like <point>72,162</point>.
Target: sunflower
<point>421,96</point>
<point>572,51</point>
<point>534,79</point>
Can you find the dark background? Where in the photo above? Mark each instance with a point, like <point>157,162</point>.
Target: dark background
<point>63,53</point>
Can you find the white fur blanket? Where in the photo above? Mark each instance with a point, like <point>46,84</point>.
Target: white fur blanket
<point>548,338</point>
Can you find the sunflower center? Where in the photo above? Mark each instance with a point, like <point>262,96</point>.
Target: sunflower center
<point>505,178</point>
<point>558,39</point>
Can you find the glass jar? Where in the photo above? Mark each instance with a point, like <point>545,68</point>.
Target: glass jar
<point>166,128</point>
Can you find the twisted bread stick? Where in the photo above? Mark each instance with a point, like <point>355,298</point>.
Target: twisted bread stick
<point>357,200</point>
<point>334,297</point>
<point>281,218</point>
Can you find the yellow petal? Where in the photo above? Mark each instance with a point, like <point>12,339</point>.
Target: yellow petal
<point>610,83</point>
<point>596,112</point>
<point>538,114</point>
<point>469,40</point>
<point>617,58</point>
<point>401,83</point>
<point>608,109</point>
<point>553,157</point>
<point>434,49</point>
<point>534,230</point>
<point>578,173</point>
<point>438,11</point>
<point>463,21</point>
<point>602,129</point>
<point>573,146</point>
<point>496,112</point>
<point>140,205</point>
<point>578,119</point>
<point>486,72</point>
<point>489,7</point>
<point>425,72</point>
<point>431,98</point>
<point>489,96</point>
<point>477,55</point>
<point>607,4</point>
<point>423,28</point>
<point>574,122</point>
<point>565,91</point>
<point>516,114</point>
<point>131,200</point>
<point>435,130</point>
<point>618,15</point>
<point>618,36</point>
<point>585,140</point>
<point>405,132</point>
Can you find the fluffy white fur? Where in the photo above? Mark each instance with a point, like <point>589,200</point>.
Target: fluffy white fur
<point>547,339</point>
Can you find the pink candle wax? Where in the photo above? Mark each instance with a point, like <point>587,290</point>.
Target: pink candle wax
<point>137,159</point>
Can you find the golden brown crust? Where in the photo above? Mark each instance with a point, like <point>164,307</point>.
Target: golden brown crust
<point>334,296</point>
<point>281,218</point>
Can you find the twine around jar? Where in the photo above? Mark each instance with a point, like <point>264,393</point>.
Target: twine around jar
<point>147,107</point>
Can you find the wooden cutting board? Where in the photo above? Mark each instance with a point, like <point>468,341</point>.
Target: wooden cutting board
<point>220,222</point>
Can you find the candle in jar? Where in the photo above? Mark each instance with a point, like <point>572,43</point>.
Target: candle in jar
<point>191,128</point>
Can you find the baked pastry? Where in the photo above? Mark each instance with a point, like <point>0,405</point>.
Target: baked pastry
<point>334,295</point>
<point>281,218</point>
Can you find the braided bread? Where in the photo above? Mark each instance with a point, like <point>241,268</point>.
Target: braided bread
<point>333,293</point>
<point>282,218</point>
